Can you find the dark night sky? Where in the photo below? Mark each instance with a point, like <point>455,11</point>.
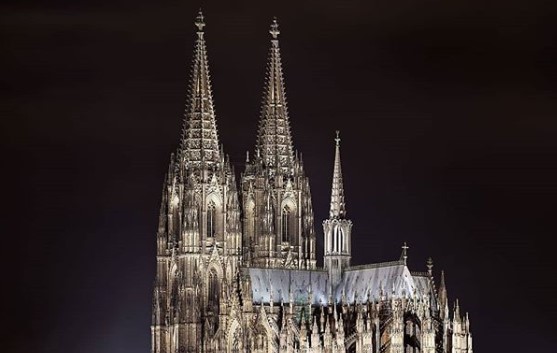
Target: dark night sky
<point>447,110</point>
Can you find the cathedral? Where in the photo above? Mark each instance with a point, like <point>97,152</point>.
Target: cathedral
<point>236,259</point>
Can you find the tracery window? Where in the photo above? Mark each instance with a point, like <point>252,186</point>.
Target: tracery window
<point>211,219</point>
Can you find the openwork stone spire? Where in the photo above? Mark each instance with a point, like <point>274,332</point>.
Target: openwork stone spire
<point>274,140</point>
<point>199,144</point>
<point>338,208</point>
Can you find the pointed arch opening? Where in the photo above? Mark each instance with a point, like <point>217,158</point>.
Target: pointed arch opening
<point>412,330</point>
<point>235,338</point>
<point>213,292</point>
<point>211,219</point>
<point>285,223</point>
<point>288,223</point>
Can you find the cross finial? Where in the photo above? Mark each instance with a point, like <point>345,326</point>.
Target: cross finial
<point>274,28</point>
<point>337,138</point>
<point>199,22</point>
<point>405,252</point>
<point>429,265</point>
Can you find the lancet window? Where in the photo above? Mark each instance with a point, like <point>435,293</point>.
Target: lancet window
<point>213,290</point>
<point>211,219</point>
<point>338,239</point>
<point>285,224</point>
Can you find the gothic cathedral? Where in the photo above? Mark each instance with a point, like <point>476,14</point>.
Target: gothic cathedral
<point>236,262</point>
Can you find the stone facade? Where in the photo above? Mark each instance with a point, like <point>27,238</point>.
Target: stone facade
<point>236,267</point>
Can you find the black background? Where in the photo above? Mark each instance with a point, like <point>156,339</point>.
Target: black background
<point>447,115</point>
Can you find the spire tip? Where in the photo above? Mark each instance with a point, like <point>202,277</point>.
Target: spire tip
<point>274,28</point>
<point>199,21</point>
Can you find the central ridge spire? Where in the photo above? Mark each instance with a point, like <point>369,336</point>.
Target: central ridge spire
<point>199,146</point>
<point>274,140</point>
<point>338,208</point>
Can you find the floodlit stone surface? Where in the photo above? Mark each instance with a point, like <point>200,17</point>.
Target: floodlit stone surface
<point>236,269</point>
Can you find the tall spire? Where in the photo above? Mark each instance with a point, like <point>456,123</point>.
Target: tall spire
<point>274,140</point>
<point>338,208</point>
<point>199,144</point>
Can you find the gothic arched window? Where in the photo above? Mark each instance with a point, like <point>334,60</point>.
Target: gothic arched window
<point>211,219</point>
<point>213,290</point>
<point>285,224</point>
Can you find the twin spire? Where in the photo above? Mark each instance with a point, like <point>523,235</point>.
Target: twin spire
<point>338,208</point>
<point>199,145</point>
<point>274,140</point>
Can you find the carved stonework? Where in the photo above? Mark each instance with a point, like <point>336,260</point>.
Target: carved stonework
<point>236,267</point>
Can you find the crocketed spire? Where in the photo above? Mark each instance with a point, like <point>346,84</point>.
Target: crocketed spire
<point>199,144</point>
<point>338,208</point>
<point>274,140</point>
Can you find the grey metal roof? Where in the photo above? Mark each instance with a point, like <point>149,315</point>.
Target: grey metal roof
<point>394,279</point>
<point>359,284</point>
<point>282,281</point>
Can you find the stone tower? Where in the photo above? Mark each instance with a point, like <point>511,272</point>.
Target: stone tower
<point>278,214</point>
<point>199,234</point>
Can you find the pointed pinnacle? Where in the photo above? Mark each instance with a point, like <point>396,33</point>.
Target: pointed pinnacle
<point>442,282</point>
<point>457,310</point>
<point>337,208</point>
<point>199,21</point>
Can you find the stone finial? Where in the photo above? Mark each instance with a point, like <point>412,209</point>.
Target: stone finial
<point>429,265</point>
<point>404,256</point>
<point>274,28</point>
<point>199,21</point>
